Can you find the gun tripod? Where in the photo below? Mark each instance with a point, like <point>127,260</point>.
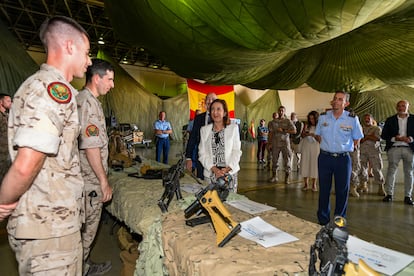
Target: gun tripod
<point>208,200</point>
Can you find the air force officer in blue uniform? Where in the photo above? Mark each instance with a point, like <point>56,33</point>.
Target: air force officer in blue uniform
<point>337,131</point>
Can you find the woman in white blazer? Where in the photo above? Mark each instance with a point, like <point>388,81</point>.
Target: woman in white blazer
<point>219,149</point>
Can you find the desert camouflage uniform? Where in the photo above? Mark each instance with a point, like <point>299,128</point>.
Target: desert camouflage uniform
<point>4,151</point>
<point>294,144</point>
<point>93,135</point>
<point>371,152</point>
<point>44,230</point>
<point>281,143</point>
<point>356,166</point>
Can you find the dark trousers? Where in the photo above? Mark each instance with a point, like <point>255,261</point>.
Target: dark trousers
<point>340,169</point>
<point>162,145</point>
<point>200,170</point>
<point>261,149</point>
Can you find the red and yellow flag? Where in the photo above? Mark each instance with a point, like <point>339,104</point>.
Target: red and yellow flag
<point>252,130</point>
<point>197,92</point>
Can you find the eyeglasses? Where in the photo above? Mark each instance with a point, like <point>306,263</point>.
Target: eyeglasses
<point>217,138</point>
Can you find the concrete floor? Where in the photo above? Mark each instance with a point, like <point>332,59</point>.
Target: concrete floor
<point>385,224</point>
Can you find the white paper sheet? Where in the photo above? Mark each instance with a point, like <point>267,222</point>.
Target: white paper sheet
<point>249,206</point>
<point>191,188</point>
<point>379,258</point>
<point>265,234</point>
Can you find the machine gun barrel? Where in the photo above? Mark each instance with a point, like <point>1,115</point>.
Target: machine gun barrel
<point>171,183</point>
<point>194,208</point>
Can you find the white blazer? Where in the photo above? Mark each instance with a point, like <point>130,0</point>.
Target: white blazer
<point>232,145</point>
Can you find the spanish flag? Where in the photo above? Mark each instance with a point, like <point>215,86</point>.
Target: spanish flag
<point>197,92</point>
<point>252,130</point>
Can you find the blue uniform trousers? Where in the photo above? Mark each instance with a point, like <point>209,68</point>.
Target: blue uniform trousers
<point>340,167</point>
<point>162,145</point>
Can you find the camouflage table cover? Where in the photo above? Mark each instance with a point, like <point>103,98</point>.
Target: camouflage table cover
<point>193,250</point>
<point>134,202</point>
<point>169,247</point>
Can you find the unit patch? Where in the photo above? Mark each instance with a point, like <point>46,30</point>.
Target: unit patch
<point>92,130</point>
<point>59,92</point>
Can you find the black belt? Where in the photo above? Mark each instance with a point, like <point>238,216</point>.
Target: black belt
<point>162,138</point>
<point>334,154</point>
<point>400,146</point>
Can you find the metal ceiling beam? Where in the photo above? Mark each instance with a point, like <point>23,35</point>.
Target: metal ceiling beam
<point>24,17</point>
<point>68,8</point>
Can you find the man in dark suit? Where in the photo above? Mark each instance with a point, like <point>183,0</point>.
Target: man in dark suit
<point>398,134</point>
<point>199,121</point>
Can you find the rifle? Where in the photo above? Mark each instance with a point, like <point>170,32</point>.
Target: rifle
<point>210,201</point>
<point>171,182</point>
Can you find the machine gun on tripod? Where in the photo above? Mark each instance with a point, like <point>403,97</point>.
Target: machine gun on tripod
<point>210,202</point>
<point>330,248</point>
<point>171,183</point>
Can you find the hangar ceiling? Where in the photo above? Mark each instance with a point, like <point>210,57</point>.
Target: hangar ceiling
<point>279,44</point>
<point>24,17</point>
<point>352,45</point>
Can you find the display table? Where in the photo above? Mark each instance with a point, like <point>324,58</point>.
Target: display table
<point>193,251</point>
<point>170,247</point>
<point>134,203</point>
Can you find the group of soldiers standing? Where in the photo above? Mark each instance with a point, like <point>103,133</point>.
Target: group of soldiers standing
<point>283,135</point>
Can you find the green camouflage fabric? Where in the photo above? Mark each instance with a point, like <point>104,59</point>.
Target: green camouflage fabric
<point>44,117</point>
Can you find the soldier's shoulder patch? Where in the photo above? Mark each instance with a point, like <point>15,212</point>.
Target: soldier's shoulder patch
<point>91,130</point>
<point>59,92</point>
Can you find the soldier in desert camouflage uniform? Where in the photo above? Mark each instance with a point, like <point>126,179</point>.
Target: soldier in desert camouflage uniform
<point>371,152</point>
<point>279,131</point>
<point>5,104</point>
<point>45,176</point>
<point>93,145</point>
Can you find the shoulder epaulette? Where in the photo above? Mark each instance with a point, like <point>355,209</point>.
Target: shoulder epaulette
<point>351,112</point>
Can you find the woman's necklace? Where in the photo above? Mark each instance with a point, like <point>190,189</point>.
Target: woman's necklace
<point>217,128</point>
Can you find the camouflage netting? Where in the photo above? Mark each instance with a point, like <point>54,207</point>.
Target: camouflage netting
<point>278,44</point>
<point>193,251</point>
<point>131,103</point>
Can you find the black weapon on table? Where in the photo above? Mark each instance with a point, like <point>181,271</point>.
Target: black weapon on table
<point>171,183</point>
<point>210,202</point>
<point>330,248</point>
